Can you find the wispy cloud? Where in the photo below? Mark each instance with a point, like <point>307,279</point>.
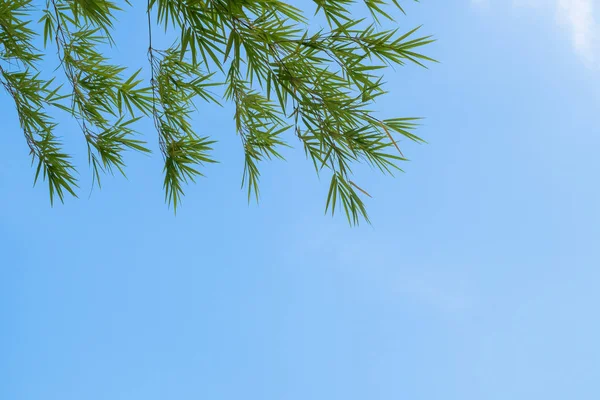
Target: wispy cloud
<point>576,17</point>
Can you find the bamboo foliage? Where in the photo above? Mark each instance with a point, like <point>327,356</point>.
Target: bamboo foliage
<point>283,77</point>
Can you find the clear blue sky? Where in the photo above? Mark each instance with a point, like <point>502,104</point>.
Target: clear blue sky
<point>478,279</point>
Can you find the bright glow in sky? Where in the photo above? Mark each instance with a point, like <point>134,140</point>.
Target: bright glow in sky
<point>478,279</point>
<point>578,18</point>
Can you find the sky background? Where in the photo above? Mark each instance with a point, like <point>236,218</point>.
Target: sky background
<point>477,280</point>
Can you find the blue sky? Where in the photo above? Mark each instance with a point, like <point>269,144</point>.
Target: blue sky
<point>477,280</point>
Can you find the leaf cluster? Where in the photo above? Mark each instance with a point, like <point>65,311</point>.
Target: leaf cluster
<point>283,78</point>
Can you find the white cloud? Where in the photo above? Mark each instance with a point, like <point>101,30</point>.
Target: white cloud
<point>576,17</point>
